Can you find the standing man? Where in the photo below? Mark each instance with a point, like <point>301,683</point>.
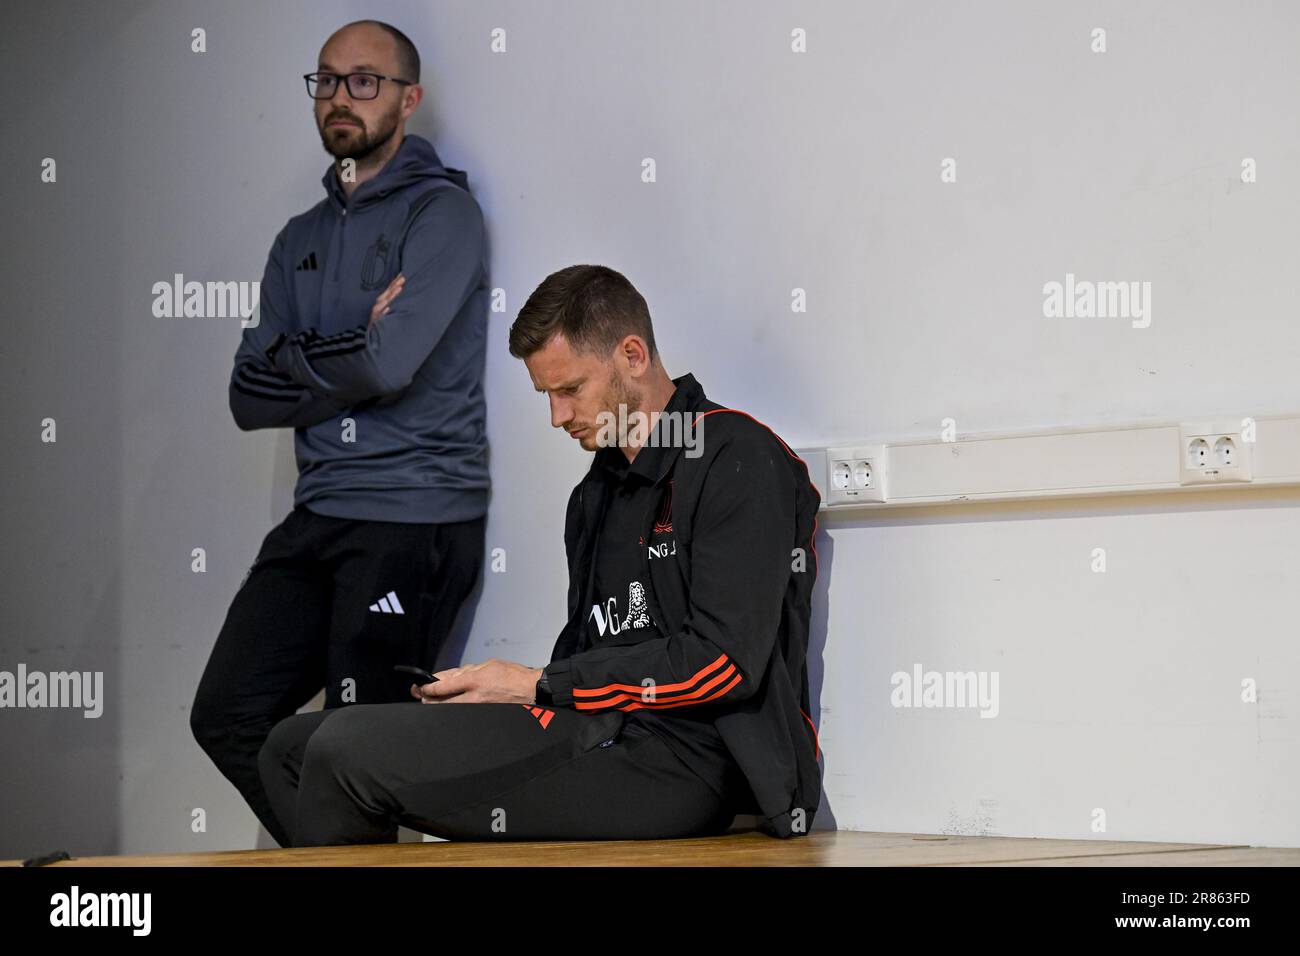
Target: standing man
<point>371,345</point>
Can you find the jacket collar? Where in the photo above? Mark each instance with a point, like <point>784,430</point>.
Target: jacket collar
<point>653,457</point>
<point>415,161</point>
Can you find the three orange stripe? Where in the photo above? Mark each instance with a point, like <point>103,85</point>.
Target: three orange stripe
<point>683,693</point>
<point>543,716</point>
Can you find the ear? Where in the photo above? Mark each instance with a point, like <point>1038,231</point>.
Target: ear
<point>634,351</point>
<point>414,94</point>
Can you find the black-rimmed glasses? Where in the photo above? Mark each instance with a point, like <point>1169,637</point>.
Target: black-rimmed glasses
<point>361,86</point>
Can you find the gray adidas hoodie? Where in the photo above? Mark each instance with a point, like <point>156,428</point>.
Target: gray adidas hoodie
<point>390,418</point>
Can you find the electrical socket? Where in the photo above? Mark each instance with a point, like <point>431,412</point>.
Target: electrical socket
<point>856,474</point>
<point>1213,453</point>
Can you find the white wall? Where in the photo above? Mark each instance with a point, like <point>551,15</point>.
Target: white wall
<point>775,170</point>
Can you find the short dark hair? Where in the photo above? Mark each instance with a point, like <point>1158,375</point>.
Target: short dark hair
<point>408,58</point>
<point>593,307</point>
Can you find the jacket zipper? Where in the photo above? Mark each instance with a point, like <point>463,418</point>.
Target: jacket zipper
<point>343,225</point>
<point>580,620</point>
<point>646,522</point>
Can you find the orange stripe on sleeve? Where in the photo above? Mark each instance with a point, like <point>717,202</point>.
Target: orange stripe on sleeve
<point>663,689</point>
<point>642,705</point>
<point>632,693</point>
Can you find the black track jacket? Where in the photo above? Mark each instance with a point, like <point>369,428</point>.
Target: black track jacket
<point>744,515</point>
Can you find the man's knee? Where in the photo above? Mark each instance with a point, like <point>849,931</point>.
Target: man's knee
<point>344,735</point>
<point>348,746</point>
<point>225,730</point>
<point>209,725</point>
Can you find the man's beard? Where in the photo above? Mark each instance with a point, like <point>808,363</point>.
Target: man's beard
<point>357,144</point>
<point>619,393</point>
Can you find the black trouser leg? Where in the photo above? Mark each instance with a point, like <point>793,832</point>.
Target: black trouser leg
<point>480,772</point>
<point>269,660</point>
<point>329,602</point>
<point>397,591</point>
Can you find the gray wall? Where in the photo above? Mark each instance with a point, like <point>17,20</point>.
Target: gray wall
<point>775,171</point>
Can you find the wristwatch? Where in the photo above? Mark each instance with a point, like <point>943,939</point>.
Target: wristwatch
<point>544,690</point>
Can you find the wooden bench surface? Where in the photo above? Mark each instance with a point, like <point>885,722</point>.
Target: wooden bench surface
<point>820,848</point>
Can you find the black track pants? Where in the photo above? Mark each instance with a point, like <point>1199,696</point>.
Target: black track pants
<point>333,603</point>
<point>480,772</point>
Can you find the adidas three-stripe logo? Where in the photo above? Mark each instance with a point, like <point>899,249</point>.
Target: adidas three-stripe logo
<point>307,265</point>
<point>388,604</point>
<point>541,713</point>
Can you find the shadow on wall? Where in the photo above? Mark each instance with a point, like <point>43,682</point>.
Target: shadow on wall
<point>817,633</point>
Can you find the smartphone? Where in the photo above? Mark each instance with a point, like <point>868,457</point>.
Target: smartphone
<point>420,672</point>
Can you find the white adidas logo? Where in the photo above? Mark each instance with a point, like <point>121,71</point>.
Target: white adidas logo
<point>388,604</point>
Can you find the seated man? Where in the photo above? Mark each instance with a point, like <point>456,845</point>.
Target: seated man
<point>677,693</point>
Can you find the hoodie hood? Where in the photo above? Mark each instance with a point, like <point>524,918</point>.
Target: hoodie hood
<point>415,162</point>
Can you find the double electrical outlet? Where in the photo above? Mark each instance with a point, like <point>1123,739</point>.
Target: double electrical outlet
<point>856,474</point>
<point>1214,453</point>
<point>1210,453</point>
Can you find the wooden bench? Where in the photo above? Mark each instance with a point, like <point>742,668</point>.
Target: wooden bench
<point>739,848</point>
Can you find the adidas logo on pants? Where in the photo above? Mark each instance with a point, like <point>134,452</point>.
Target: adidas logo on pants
<point>388,604</point>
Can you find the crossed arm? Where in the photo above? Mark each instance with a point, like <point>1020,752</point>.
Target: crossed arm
<point>283,377</point>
